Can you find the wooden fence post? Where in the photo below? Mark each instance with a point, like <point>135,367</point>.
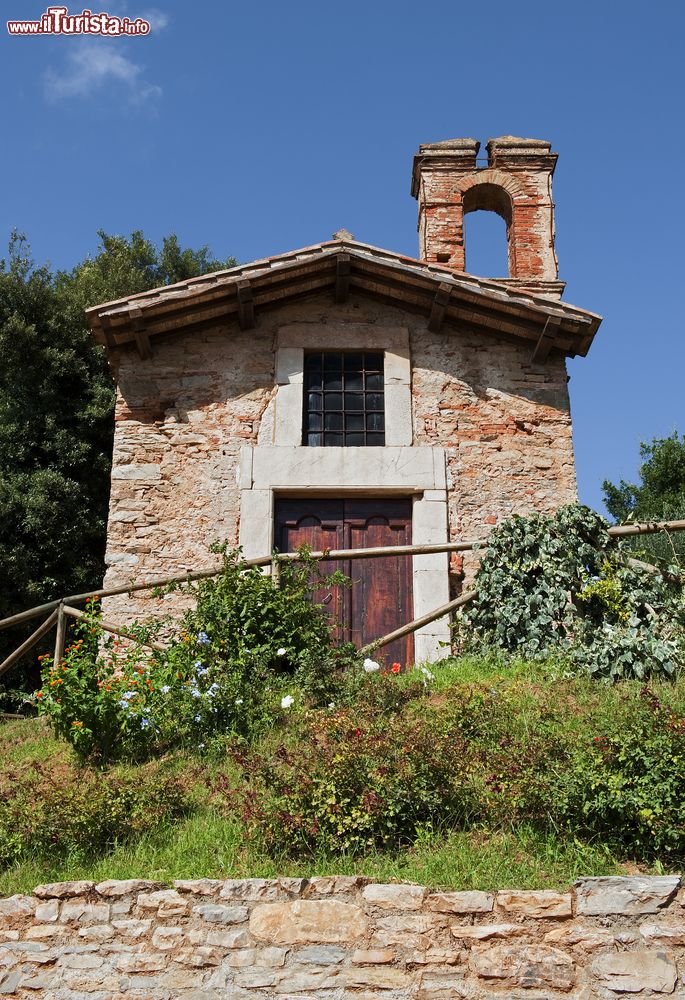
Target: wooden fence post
<point>61,634</point>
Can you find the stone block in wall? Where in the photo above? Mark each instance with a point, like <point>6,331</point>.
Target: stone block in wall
<point>625,895</point>
<point>636,971</point>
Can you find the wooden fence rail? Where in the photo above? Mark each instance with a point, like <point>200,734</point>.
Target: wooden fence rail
<point>62,607</point>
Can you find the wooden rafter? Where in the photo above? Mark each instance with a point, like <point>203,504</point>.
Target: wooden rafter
<point>439,308</point>
<point>545,341</point>
<point>342,277</point>
<point>140,334</point>
<point>246,318</point>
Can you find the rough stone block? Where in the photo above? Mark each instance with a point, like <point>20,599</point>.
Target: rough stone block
<point>536,904</point>
<point>528,966</point>
<point>308,921</point>
<point>217,914</point>
<point>394,897</point>
<point>124,887</point>
<point>62,890</point>
<point>461,902</point>
<point>632,972</point>
<point>627,895</point>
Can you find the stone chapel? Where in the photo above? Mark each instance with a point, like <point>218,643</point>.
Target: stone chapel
<point>347,396</point>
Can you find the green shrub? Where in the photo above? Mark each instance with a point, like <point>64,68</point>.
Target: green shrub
<point>626,783</point>
<point>241,657</point>
<point>54,809</point>
<point>561,585</point>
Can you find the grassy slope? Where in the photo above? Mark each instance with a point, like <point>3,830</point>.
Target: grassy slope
<point>206,844</point>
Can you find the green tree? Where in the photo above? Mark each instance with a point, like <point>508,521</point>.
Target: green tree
<point>56,408</point>
<point>659,496</point>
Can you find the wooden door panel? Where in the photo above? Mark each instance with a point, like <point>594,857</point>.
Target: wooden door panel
<point>320,526</point>
<point>381,592</point>
<point>381,596</point>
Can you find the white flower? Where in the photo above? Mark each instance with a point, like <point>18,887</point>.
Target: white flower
<point>165,689</point>
<point>287,701</point>
<point>280,651</point>
<point>427,674</point>
<point>370,666</point>
<point>239,701</point>
<point>331,704</point>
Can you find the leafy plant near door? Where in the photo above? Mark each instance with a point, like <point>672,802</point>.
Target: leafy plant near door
<point>561,585</point>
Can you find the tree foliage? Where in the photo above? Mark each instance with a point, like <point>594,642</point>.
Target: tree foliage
<point>659,496</point>
<point>56,406</point>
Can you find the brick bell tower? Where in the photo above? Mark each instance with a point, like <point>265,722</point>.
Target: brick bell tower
<point>449,181</point>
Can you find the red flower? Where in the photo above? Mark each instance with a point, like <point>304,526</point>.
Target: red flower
<point>396,667</point>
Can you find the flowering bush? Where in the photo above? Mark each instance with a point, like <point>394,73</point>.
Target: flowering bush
<point>246,653</point>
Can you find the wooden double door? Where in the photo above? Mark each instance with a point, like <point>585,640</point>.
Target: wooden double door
<point>380,598</point>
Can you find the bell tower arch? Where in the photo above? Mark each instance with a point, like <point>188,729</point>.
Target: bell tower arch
<point>515,181</point>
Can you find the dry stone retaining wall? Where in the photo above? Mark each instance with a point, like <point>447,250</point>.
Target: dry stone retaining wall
<point>344,936</point>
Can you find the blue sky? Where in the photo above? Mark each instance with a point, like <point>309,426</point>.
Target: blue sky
<point>257,128</point>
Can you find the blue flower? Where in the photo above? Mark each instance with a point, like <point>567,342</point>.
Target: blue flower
<point>144,723</point>
<point>196,693</point>
<point>200,670</point>
<point>197,718</point>
<point>203,638</point>
<point>212,690</point>
<point>128,695</point>
<point>166,689</point>
<point>124,704</point>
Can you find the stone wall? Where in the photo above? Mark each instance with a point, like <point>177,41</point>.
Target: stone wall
<point>342,937</point>
<point>183,415</point>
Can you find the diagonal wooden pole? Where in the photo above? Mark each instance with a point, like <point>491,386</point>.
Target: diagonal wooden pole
<point>28,643</point>
<point>426,619</point>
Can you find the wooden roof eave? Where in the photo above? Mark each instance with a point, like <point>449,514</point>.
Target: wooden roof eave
<point>495,309</point>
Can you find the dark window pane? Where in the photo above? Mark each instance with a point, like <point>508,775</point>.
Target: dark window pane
<point>375,422</point>
<point>312,362</point>
<point>333,421</point>
<point>343,399</point>
<point>354,362</point>
<point>353,380</point>
<point>332,362</point>
<point>354,422</point>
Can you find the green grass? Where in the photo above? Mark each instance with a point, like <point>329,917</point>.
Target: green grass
<point>207,843</point>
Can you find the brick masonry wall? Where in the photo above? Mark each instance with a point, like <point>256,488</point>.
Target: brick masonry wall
<point>183,415</point>
<point>337,937</point>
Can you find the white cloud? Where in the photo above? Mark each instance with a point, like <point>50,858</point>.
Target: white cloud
<point>93,65</point>
<point>157,18</point>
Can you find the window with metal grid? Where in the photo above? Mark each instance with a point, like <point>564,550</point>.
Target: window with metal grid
<point>343,398</point>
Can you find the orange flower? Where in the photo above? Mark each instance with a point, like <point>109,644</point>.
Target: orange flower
<point>39,694</point>
<point>396,667</point>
